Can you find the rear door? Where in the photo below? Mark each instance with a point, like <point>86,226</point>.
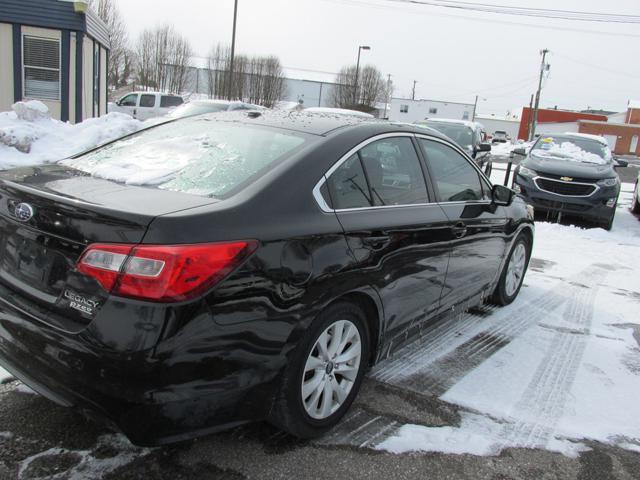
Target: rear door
<point>398,238</point>
<point>168,103</point>
<point>477,228</point>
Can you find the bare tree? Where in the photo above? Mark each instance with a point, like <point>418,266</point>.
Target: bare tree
<point>257,80</point>
<point>118,39</point>
<point>163,59</point>
<point>369,90</point>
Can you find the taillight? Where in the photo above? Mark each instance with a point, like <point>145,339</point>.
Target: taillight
<point>164,273</point>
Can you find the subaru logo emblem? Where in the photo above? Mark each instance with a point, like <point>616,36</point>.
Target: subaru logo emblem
<point>23,212</point>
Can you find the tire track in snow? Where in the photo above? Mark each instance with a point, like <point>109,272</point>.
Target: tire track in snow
<point>543,402</point>
<point>434,363</point>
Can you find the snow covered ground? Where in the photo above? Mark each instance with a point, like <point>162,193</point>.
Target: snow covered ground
<point>555,369</point>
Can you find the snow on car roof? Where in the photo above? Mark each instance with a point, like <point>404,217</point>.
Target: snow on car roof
<point>339,111</point>
<point>597,138</point>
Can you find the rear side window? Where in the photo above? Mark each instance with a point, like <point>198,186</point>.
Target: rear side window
<point>455,178</point>
<point>348,186</point>
<point>194,155</point>
<point>394,173</point>
<point>147,101</point>
<point>168,101</point>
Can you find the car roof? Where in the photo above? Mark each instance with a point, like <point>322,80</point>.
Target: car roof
<point>466,123</point>
<point>321,124</point>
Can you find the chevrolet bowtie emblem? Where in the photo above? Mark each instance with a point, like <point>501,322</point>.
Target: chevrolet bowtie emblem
<point>566,179</point>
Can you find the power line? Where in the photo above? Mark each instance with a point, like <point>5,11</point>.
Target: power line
<point>483,19</point>
<point>597,67</point>
<point>527,12</point>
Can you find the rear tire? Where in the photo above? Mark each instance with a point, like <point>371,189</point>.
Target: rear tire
<point>314,395</point>
<point>513,272</point>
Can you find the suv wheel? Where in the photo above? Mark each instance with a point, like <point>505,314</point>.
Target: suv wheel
<point>513,272</point>
<point>325,374</point>
<point>635,207</point>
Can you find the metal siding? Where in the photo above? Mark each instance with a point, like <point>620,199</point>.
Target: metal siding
<point>53,14</point>
<point>64,87</point>
<point>97,29</point>
<point>79,76</point>
<point>17,63</point>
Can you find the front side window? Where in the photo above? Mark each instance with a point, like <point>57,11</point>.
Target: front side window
<point>195,156</point>
<point>129,101</point>
<point>41,71</point>
<point>455,178</point>
<point>147,100</point>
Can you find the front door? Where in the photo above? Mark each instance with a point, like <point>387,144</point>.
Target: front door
<point>129,104</point>
<point>477,227</point>
<point>398,238</point>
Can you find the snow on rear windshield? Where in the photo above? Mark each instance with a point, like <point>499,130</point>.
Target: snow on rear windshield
<point>197,156</point>
<point>573,149</point>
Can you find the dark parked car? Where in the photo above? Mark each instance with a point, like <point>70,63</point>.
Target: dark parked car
<point>570,174</point>
<point>471,136</point>
<point>231,267</point>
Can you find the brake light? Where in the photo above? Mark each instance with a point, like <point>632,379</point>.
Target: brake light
<point>164,273</point>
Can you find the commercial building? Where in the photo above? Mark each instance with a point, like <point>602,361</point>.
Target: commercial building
<point>55,51</point>
<point>409,110</point>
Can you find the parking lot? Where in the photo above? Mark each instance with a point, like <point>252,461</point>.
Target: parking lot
<point>544,388</point>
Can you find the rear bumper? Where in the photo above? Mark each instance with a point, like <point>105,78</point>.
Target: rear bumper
<point>591,208</point>
<point>151,398</point>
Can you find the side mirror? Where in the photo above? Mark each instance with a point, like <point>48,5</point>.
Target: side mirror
<point>501,195</point>
<point>520,151</point>
<point>484,147</point>
<point>620,163</point>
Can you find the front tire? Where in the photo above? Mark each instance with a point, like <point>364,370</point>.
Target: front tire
<point>513,272</point>
<point>635,207</point>
<point>325,373</point>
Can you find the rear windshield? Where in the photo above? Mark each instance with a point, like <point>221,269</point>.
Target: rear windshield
<point>190,109</point>
<point>461,134</point>
<point>197,156</point>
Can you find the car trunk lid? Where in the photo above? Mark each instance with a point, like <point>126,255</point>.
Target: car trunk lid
<point>49,215</point>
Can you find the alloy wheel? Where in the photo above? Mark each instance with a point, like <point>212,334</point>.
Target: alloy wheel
<point>331,369</point>
<point>515,269</point>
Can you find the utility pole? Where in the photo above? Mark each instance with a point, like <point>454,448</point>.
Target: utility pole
<point>233,50</point>
<point>386,102</point>
<point>413,92</point>
<point>530,119</point>
<point>543,67</point>
<point>475,107</point>
<point>355,83</point>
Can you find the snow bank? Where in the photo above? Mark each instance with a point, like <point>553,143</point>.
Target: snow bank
<point>28,135</point>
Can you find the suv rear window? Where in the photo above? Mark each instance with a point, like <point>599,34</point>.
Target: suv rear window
<point>196,156</point>
<point>168,102</point>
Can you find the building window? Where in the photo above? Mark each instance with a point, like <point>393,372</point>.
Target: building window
<point>404,108</point>
<point>465,115</point>
<point>433,111</point>
<point>41,68</point>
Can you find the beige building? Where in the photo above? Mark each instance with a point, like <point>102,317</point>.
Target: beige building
<point>55,51</point>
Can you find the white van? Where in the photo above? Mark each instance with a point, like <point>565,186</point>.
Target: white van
<point>145,105</point>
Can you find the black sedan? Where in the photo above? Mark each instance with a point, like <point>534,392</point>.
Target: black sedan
<point>235,267</point>
<point>571,174</point>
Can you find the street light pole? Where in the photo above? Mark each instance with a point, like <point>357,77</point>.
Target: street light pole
<point>475,107</point>
<point>355,86</point>
<point>233,51</point>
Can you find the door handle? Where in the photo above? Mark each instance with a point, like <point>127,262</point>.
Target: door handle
<point>135,112</point>
<point>459,230</point>
<point>376,242</point>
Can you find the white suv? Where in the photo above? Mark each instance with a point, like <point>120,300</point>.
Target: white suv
<point>145,105</point>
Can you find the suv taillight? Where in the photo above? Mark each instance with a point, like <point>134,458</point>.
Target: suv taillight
<point>162,273</point>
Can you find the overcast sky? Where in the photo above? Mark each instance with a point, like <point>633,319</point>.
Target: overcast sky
<point>453,55</point>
